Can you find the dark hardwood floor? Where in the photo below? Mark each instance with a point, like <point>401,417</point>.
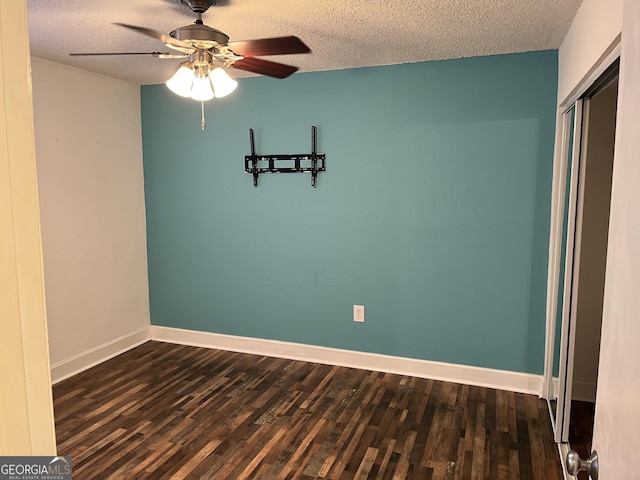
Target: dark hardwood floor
<point>170,411</point>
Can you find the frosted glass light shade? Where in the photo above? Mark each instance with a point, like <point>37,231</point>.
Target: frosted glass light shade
<point>223,84</point>
<point>199,84</point>
<point>201,89</point>
<point>182,81</point>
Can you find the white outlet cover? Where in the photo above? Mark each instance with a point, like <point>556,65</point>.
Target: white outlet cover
<point>358,313</point>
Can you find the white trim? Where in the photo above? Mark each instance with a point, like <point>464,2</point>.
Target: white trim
<point>572,256</point>
<point>558,196</point>
<point>610,55</point>
<point>553,395</point>
<point>85,360</point>
<point>484,377</point>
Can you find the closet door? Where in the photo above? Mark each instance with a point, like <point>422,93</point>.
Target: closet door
<point>568,270</point>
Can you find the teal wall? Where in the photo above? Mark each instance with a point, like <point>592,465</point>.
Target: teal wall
<point>433,211</point>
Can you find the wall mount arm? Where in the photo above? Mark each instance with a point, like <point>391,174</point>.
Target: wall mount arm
<point>285,163</point>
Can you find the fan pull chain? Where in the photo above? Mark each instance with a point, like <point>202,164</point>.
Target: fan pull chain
<point>203,122</point>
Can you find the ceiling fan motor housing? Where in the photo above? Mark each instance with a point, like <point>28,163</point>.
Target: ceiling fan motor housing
<point>200,33</point>
<point>198,6</point>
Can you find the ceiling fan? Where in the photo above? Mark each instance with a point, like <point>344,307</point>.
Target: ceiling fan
<point>209,49</point>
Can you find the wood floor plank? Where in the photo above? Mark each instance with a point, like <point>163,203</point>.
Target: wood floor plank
<point>178,412</point>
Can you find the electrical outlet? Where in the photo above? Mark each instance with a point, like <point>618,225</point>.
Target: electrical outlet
<point>358,313</point>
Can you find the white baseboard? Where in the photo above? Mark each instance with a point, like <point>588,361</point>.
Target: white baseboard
<point>85,360</point>
<point>484,377</point>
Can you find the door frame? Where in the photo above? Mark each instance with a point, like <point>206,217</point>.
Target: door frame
<point>576,171</point>
<point>608,58</point>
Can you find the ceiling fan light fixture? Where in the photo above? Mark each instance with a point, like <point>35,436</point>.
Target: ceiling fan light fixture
<point>181,83</point>
<point>201,81</point>
<point>223,84</point>
<point>201,89</point>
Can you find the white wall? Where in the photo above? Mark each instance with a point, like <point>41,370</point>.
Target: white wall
<point>594,29</point>
<point>89,159</point>
<point>617,407</point>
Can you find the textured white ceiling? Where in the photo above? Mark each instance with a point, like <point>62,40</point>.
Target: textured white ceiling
<point>341,33</point>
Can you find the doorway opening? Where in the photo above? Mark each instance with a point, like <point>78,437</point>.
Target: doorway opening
<point>599,121</point>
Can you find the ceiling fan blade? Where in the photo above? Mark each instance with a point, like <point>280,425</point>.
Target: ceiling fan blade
<point>168,40</point>
<point>269,46</point>
<point>153,54</point>
<point>264,67</point>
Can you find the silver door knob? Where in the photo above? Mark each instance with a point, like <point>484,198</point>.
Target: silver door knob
<point>575,464</point>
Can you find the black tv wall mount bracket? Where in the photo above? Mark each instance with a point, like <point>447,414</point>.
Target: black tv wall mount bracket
<point>282,163</point>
